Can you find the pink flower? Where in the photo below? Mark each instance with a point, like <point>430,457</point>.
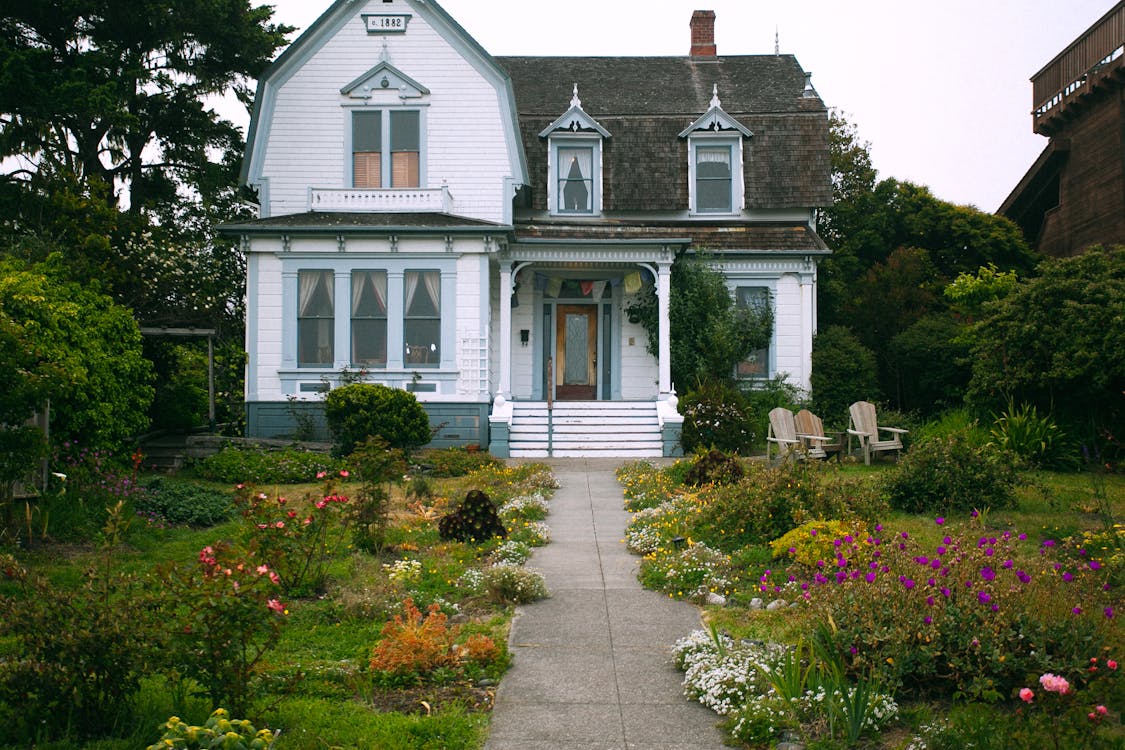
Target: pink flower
<point>320,475</point>
<point>344,473</point>
<point>1026,695</point>
<point>1053,683</point>
<point>275,605</point>
<point>280,524</point>
<point>263,569</point>
<point>274,577</point>
<point>1102,710</point>
<point>1111,664</point>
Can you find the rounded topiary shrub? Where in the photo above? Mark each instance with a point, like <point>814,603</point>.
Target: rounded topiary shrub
<point>716,416</point>
<point>361,410</point>
<point>949,474</point>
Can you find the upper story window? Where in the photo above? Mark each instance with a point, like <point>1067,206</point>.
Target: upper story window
<point>715,162</point>
<point>574,185</point>
<point>388,128</point>
<point>315,312</point>
<point>386,148</point>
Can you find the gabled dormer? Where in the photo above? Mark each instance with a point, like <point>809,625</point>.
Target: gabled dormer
<point>715,162</point>
<point>386,129</point>
<point>574,162</point>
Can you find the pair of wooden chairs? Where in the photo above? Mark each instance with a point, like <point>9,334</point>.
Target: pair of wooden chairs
<point>801,435</point>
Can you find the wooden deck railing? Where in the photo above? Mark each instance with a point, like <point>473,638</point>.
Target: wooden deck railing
<point>1066,74</point>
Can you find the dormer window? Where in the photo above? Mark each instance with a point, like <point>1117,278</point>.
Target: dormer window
<point>387,128</point>
<point>574,162</point>
<point>715,162</point>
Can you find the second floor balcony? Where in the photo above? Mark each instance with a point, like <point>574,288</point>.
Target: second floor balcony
<point>393,200</point>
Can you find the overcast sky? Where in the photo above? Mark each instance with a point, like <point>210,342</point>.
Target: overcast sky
<point>941,90</point>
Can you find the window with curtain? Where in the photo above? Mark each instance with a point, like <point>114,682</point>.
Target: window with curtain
<point>757,363</point>
<point>713,182</point>
<point>575,180</point>
<point>401,148</point>
<point>369,318</point>
<point>422,318</point>
<point>315,312</point>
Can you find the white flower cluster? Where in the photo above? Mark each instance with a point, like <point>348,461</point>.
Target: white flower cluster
<point>538,532</point>
<point>515,583</point>
<point>512,553</point>
<point>643,535</point>
<point>642,540</point>
<point>525,505</point>
<point>879,709</point>
<point>699,569</point>
<point>404,571</point>
<point>472,580</point>
<point>723,675</point>
<point>931,731</point>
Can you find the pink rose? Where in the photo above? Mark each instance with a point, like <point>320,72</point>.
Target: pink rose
<point>1054,684</point>
<point>1026,695</point>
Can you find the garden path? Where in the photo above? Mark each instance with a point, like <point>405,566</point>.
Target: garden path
<point>592,666</point>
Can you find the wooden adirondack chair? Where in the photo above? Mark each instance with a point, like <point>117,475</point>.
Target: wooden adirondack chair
<point>865,427</point>
<point>783,434</point>
<point>810,429</point>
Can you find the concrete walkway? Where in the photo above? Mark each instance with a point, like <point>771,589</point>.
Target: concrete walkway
<point>592,666</point>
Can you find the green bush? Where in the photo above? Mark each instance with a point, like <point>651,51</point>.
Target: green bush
<point>770,501</point>
<point>948,473</point>
<point>714,467</point>
<point>455,461</point>
<point>843,372</point>
<point>361,410</point>
<point>289,466</point>
<point>1033,438</point>
<point>959,420</point>
<point>183,503</point>
<point>930,364</point>
<point>715,416</point>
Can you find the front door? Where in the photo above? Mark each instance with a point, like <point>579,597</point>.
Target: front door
<point>576,353</point>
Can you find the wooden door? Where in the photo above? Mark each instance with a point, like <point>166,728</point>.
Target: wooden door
<point>576,353</point>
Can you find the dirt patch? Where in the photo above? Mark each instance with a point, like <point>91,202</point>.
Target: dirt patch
<point>432,698</point>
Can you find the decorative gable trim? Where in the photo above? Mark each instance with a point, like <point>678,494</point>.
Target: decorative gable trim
<point>386,77</point>
<point>716,120</point>
<point>575,120</point>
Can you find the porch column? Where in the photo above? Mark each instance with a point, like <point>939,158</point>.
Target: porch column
<point>505,386</point>
<point>664,357</point>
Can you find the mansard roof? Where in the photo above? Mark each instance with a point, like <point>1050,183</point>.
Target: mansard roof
<point>647,102</point>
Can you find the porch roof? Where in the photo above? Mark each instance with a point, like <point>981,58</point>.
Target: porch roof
<point>767,238</point>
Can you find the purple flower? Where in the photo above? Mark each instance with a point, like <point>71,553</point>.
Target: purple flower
<point>939,520</point>
<point>1077,610</point>
<point>946,592</point>
<point>983,597</point>
<point>870,577</point>
<point>946,540</point>
<point>1067,576</point>
<point>1024,577</point>
<point>878,527</point>
<point>1109,613</point>
<point>1022,537</point>
<point>987,573</point>
<point>908,583</point>
<point>1008,564</point>
<point>1094,565</point>
<point>927,619</point>
<point>930,600</point>
<point>940,550</point>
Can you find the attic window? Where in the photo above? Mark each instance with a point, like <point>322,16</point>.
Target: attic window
<point>574,183</point>
<point>715,161</point>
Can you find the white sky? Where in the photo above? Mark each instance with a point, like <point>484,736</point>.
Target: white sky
<point>940,89</point>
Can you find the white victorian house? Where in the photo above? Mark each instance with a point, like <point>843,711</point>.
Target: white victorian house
<point>472,228</point>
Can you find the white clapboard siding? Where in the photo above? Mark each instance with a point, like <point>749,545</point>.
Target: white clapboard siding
<point>465,142</point>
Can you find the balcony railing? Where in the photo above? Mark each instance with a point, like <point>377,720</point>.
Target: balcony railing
<point>393,200</point>
<point>1102,43</point>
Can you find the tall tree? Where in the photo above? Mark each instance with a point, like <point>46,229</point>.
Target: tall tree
<point>115,94</point>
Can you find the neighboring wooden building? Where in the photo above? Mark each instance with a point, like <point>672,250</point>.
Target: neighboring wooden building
<point>472,227</point>
<point>1074,195</point>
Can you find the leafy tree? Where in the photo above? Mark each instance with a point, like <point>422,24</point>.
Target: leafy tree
<point>709,333</point>
<point>76,347</point>
<point>929,364</point>
<point>843,372</point>
<point>1057,342</point>
<point>113,95</point>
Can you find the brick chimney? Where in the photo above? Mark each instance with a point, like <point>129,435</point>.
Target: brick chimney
<point>703,33</point>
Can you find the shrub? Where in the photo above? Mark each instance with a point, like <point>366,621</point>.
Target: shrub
<point>219,731</point>
<point>183,503</point>
<point>368,516</point>
<point>693,572</point>
<point>235,464</point>
<point>949,474</point>
<point>475,520</point>
<point>514,584</point>
<point>525,508</point>
<point>843,372</point>
<point>715,416</point>
<point>456,461</point>
<point>714,467</point>
<point>959,421</point>
<point>1033,438</point>
<point>412,645</point>
<point>361,410</point>
<point>817,540</point>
